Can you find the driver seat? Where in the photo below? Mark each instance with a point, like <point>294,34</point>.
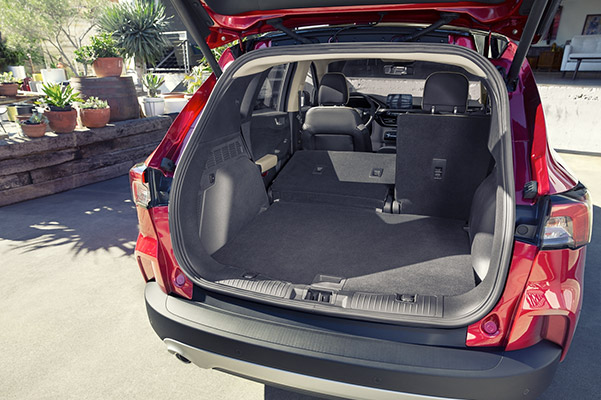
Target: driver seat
<point>332,125</point>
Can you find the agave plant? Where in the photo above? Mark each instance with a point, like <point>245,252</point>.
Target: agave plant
<point>137,28</point>
<point>152,83</point>
<point>60,97</point>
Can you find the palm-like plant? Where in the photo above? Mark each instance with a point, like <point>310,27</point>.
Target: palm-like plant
<point>137,28</point>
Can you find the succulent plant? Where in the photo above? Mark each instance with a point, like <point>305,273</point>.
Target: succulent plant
<point>8,77</point>
<point>35,119</point>
<point>152,83</point>
<point>94,103</point>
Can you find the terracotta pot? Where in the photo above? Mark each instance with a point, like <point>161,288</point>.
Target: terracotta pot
<point>62,121</point>
<point>108,66</point>
<point>174,95</point>
<point>9,89</point>
<point>95,117</point>
<point>34,130</point>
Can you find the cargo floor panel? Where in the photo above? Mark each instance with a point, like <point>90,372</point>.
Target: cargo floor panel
<point>345,178</point>
<point>374,252</point>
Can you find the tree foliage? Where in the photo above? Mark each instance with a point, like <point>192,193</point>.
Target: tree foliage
<point>54,23</point>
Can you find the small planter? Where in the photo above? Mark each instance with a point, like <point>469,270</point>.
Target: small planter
<point>18,71</point>
<point>9,89</point>
<point>108,66</point>
<point>11,112</point>
<point>95,117</point>
<point>62,121</point>
<point>53,75</point>
<point>34,130</point>
<point>24,109</point>
<point>175,104</point>
<point>154,106</point>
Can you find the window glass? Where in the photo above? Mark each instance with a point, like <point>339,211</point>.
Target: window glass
<point>310,83</point>
<point>269,96</point>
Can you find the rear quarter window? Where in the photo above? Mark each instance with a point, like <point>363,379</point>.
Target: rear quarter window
<point>269,97</point>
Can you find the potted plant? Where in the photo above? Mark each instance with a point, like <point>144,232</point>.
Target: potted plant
<point>95,113</point>
<point>59,100</point>
<point>35,126</point>
<point>9,85</point>
<point>137,27</point>
<point>103,54</point>
<point>153,104</point>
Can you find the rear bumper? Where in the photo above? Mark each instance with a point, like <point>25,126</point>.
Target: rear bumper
<point>314,359</point>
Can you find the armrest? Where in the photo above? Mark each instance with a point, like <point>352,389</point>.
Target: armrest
<point>566,57</point>
<point>267,162</point>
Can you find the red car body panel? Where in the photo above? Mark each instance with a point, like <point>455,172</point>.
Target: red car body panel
<point>503,18</point>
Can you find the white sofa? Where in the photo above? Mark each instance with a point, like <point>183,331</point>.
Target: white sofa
<point>589,48</point>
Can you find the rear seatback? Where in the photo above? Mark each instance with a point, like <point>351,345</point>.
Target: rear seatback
<point>354,179</point>
<point>442,153</point>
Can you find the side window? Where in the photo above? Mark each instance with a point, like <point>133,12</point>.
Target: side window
<point>270,95</point>
<point>311,84</point>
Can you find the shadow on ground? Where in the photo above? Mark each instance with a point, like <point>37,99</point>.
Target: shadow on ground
<point>96,217</point>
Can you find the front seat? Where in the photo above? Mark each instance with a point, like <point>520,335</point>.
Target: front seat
<point>332,125</point>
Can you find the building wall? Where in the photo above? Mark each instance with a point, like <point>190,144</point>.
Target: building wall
<point>572,18</point>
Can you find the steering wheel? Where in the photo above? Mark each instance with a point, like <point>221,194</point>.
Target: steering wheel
<point>367,115</point>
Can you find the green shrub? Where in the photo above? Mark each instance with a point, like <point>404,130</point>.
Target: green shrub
<point>102,46</point>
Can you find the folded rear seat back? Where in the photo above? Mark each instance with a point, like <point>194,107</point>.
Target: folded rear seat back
<point>351,179</point>
<point>442,153</point>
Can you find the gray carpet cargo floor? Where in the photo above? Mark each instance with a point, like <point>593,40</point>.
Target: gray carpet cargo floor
<point>375,252</point>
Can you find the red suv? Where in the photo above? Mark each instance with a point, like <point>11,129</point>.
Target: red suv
<point>361,202</point>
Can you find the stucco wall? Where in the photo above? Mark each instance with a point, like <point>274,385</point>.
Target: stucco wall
<point>572,116</point>
<point>572,18</point>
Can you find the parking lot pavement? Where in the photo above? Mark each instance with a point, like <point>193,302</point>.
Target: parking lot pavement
<point>73,322</point>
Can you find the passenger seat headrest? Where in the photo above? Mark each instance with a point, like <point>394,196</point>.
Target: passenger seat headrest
<point>446,92</point>
<point>333,90</point>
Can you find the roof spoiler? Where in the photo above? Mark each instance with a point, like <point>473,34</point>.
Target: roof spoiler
<point>538,23</point>
<point>190,12</point>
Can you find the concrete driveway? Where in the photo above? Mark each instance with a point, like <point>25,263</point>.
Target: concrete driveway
<point>73,322</point>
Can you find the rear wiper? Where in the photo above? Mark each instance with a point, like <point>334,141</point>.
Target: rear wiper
<point>277,24</point>
<point>444,19</point>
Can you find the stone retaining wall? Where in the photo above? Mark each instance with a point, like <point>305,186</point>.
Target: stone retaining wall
<point>31,168</point>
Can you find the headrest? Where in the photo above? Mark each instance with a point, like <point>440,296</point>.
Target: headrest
<point>333,90</point>
<point>446,92</point>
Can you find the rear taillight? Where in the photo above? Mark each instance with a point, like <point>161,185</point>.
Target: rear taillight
<point>569,223</point>
<point>153,247</point>
<point>543,292</point>
<point>140,193</point>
